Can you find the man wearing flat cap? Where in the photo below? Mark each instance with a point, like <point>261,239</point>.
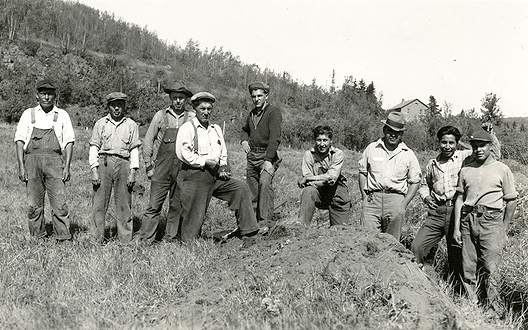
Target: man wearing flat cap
<point>114,159</point>
<point>44,142</point>
<point>389,177</point>
<point>484,206</point>
<point>260,139</point>
<point>162,165</point>
<point>205,173</point>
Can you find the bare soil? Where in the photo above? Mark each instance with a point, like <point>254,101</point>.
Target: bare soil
<point>295,257</point>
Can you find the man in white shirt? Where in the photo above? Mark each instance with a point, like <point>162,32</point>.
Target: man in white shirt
<point>201,147</point>
<point>44,142</point>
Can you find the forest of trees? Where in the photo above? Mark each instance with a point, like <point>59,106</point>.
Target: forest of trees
<point>90,53</point>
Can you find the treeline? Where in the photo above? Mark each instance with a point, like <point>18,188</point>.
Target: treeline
<point>90,53</point>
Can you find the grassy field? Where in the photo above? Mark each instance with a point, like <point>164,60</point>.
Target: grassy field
<point>79,285</point>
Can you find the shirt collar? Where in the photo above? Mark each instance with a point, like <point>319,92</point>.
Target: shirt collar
<point>39,108</point>
<point>331,151</point>
<point>172,112</point>
<point>198,124</point>
<point>109,119</point>
<point>456,155</point>
<point>257,112</point>
<point>401,146</point>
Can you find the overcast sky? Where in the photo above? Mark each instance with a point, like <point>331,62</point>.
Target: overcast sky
<point>454,50</point>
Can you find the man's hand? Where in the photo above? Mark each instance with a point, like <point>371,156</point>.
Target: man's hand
<point>457,236</point>
<point>131,178</point>
<point>95,177</point>
<point>66,174</point>
<point>22,173</point>
<point>430,202</point>
<point>224,176</point>
<point>150,174</point>
<point>301,182</point>
<point>268,167</point>
<point>212,164</point>
<point>245,146</point>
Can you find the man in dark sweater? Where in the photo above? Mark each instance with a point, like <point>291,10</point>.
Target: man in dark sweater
<point>261,136</point>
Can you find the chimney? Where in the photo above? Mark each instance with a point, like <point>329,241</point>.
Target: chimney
<point>403,100</point>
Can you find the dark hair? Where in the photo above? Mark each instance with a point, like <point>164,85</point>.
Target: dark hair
<point>449,130</point>
<point>322,130</point>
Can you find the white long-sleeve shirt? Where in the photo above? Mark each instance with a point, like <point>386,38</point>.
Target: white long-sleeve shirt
<point>211,144</point>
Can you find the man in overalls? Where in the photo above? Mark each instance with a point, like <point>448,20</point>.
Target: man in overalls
<point>44,142</point>
<point>163,169</point>
<point>114,159</point>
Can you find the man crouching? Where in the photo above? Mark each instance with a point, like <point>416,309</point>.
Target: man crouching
<point>322,183</point>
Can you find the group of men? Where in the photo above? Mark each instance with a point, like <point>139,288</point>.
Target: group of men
<point>185,158</point>
<point>470,194</point>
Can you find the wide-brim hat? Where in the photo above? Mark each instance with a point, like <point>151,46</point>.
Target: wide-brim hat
<point>480,136</point>
<point>45,84</point>
<point>395,120</point>
<point>203,96</point>
<point>116,96</point>
<point>258,85</point>
<point>178,87</point>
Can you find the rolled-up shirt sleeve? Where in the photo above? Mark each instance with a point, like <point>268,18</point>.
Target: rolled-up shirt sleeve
<point>363,162</point>
<point>22,131</point>
<point>508,186</point>
<point>68,135</point>
<point>334,170</point>
<point>134,158</point>
<point>415,173</point>
<point>93,156</point>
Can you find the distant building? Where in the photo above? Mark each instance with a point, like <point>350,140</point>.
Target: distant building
<point>411,109</point>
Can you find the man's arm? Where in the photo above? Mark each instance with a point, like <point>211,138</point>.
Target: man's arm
<point>426,186</point>
<point>244,136</point>
<point>459,201</point>
<point>411,191</point>
<point>22,174</point>
<point>68,152</point>
<point>274,127</point>
<point>509,210</point>
<point>362,180</point>
<point>148,144</point>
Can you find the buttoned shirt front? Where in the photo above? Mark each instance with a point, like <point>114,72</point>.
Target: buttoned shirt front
<point>440,180</point>
<point>156,130</point>
<point>211,144</point>
<point>115,138</point>
<point>329,165</point>
<point>63,127</point>
<point>389,170</point>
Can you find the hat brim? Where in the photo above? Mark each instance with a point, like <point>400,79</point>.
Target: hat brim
<point>399,129</point>
<point>183,91</point>
<point>46,86</point>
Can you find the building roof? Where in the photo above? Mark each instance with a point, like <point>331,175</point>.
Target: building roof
<point>406,103</point>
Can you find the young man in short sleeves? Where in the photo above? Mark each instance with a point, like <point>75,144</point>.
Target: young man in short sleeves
<point>484,187</point>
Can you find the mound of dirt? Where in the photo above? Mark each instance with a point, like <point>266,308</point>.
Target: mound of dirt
<point>296,258</point>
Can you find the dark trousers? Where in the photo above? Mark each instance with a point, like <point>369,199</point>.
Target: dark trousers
<point>260,183</point>
<point>163,181</point>
<point>113,174</point>
<point>483,238</point>
<point>196,189</point>
<point>45,175</point>
<point>335,198</point>
<point>439,222</point>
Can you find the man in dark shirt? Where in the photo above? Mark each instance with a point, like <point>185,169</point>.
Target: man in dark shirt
<point>261,136</point>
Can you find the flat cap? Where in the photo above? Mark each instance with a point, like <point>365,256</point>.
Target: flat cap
<point>258,85</point>
<point>115,96</point>
<point>178,87</point>
<point>203,96</point>
<point>480,136</point>
<point>45,83</point>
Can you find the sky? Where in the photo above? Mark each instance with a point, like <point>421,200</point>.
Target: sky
<point>456,51</point>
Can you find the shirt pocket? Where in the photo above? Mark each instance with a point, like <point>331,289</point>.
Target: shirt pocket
<point>203,148</point>
<point>377,165</point>
<point>400,168</point>
<point>126,139</point>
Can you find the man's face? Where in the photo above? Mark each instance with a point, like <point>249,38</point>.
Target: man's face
<point>259,97</point>
<point>322,144</point>
<point>481,149</point>
<point>177,100</point>
<point>46,97</point>
<point>392,138</point>
<point>117,109</point>
<point>448,145</point>
<point>203,111</point>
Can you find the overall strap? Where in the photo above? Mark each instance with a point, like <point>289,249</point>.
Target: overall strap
<point>195,137</point>
<point>55,116</point>
<point>32,116</point>
<point>165,121</point>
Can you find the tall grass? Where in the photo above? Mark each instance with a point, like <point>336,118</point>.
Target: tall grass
<point>79,285</point>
